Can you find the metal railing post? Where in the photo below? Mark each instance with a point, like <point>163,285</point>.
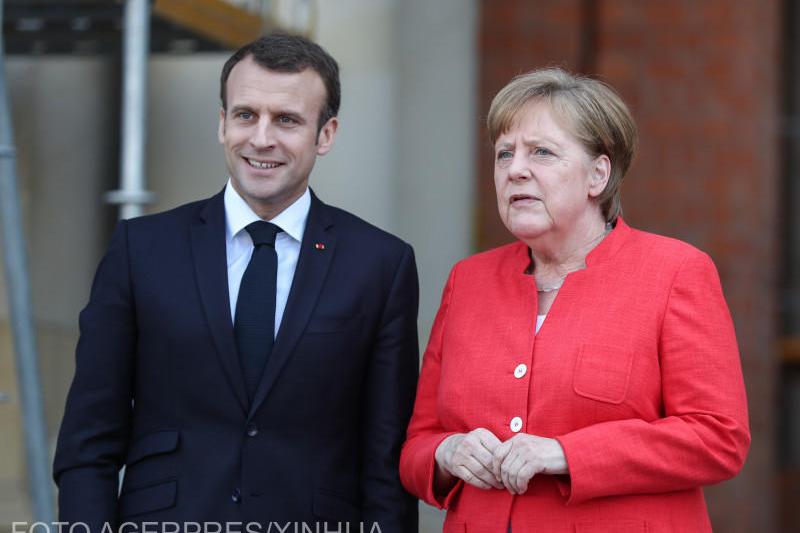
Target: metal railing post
<point>132,195</point>
<point>15,257</point>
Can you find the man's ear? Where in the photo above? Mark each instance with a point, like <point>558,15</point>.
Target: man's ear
<point>326,136</point>
<point>221,127</point>
<point>600,173</point>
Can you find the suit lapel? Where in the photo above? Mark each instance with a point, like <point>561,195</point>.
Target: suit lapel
<point>316,253</point>
<point>211,269</point>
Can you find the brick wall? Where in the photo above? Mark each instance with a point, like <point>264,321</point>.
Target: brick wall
<point>703,81</point>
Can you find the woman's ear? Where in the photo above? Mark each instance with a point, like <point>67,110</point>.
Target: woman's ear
<point>600,172</point>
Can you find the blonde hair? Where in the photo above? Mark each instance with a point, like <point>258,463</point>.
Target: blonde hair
<point>591,110</point>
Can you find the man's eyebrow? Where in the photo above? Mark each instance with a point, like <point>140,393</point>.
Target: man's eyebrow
<point>240,107</point>
<point>289,113</point>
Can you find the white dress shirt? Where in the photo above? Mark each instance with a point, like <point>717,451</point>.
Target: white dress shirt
<point>539,322</point>
<point>239,245</point>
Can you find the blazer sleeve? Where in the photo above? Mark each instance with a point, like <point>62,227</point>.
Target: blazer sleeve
<point>703,437</point>
<point>389,396</point>
<point>425,432</point>
<point>94,432</point>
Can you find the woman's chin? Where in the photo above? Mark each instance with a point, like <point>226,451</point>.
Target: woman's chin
<point>526,230</point>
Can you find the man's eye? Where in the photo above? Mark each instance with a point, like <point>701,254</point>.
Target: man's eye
<point>504,155</point>
<point>286,120</point>
<point>244,115</point>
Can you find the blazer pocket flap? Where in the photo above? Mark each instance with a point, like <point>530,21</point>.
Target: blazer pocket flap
<point>153,444</point>
<point>331,324</point>
<point>148,499</point>
<point>602,373</point>
<point>332,507</point>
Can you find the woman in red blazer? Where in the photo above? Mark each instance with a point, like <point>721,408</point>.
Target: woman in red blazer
<point>585,378</point>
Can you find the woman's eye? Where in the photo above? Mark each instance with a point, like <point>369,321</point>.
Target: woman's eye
<point>504,155</point>
<point>542,151</point>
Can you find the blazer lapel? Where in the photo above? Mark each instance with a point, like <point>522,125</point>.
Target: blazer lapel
<point>211,269</point>
<point>316,253</point>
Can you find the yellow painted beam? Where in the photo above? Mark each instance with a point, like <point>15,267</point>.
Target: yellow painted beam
<point>227,24</point>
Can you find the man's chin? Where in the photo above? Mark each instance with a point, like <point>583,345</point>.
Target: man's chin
<point>256,174</point>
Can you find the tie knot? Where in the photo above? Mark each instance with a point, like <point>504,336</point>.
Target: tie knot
<point>263,232</point>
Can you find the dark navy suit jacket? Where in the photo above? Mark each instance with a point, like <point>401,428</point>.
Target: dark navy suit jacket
<point>158,386</point>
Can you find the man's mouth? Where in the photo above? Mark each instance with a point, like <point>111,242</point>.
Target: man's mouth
<point>261,165</point>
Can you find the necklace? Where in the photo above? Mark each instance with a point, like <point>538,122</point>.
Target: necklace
<point>551,288</point>
<point>557,285</point>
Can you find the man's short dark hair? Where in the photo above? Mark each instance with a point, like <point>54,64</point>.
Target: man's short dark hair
<point>283,52</point>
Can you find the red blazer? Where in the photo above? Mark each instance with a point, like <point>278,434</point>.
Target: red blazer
<point>635,371</point>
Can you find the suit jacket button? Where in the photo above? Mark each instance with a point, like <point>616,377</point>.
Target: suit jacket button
<point>252,430</point>
<point>236,496</point>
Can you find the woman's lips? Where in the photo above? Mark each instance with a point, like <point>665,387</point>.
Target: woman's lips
<point>523,199</point>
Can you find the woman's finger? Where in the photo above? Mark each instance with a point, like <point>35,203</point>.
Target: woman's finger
<point>469,477</point>
<point>499,455</point>
<point>507,469</point>
<point>483,473</point>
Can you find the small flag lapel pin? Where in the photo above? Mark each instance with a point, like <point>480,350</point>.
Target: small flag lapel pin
<point>319,246</point>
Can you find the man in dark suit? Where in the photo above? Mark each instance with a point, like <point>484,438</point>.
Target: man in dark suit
<point>250,358</point>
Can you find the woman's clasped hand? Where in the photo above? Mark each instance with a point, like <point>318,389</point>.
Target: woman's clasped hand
<point>482,460</point>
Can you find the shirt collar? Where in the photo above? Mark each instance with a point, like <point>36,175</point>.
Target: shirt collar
<point>291,220</point>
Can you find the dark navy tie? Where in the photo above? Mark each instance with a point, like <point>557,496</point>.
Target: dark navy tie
<point>254,326</point>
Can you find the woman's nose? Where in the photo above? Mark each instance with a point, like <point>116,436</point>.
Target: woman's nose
<point>518,169</point>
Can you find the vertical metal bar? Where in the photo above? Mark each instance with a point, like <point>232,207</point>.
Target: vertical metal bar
<point>134,102</point>
<point>136,47</point>
<point>17,283</point>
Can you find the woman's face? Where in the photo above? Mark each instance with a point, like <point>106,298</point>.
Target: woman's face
<point>544,178</point>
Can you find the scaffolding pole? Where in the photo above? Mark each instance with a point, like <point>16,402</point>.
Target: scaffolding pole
<point>132,195</point>
<point>18,285</point>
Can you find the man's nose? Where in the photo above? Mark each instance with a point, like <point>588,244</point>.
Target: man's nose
<point>263,136</point>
